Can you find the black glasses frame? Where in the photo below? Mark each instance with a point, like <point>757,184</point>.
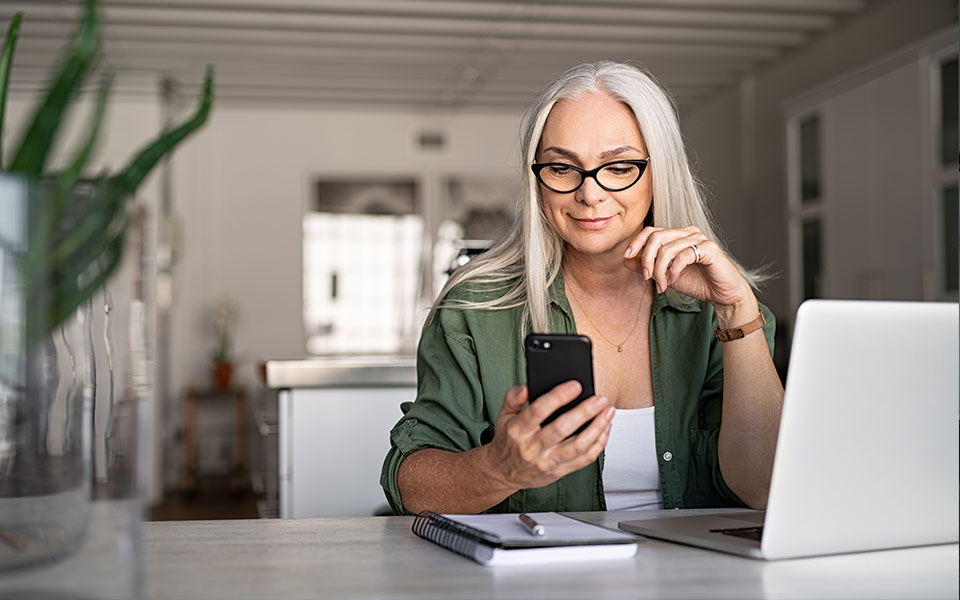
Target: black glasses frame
<point>639,162</point>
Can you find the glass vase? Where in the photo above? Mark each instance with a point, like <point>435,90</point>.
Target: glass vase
<point>71,462</point>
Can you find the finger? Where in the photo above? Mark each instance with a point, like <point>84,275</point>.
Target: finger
<point>514,400</point>
<point>672,251</point>
<point>544,406</point>
<point>648,254</point>
<point>583,457</point>
<point>568,423</point>
<point>710,251</point>
<point>639,242</point>
<point>572,448</point>
<point>681,261</point>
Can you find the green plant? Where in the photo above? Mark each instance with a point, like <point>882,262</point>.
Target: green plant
<point>76,240</point>
<point>223,318</point>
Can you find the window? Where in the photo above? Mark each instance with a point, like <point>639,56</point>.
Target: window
<point>948,269</point>
<point>949,113</point>
<point>951,250</point>
<point>805,198</point>
<point>810,160</point>
<point>812,259</point>
<point>377,251</point>
<point>361,267</point>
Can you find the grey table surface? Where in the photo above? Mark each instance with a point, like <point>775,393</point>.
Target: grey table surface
<point>379,557</point>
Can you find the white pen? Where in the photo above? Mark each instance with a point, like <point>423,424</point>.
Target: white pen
<point>534,527</point>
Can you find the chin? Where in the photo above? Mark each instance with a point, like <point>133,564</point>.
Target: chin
<point>593,245</point>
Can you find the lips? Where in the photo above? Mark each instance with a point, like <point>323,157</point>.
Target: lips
<point>594,223</point>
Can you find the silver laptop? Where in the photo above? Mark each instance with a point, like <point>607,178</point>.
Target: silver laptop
<point>867,455</point>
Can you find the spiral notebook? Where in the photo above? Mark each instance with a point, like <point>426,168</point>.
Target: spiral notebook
<point>499,540</point>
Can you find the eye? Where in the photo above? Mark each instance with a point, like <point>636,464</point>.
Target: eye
<point>558,169</point>
<point>621,169</point>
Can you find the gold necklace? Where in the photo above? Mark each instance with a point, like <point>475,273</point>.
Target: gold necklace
<point>635,321</point>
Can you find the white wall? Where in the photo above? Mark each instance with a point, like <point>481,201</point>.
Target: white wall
<point>871,180</point>
<point>751,184</point>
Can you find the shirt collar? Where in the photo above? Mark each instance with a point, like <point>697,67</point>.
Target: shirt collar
<point>557,294</point>
<point>676,301</point>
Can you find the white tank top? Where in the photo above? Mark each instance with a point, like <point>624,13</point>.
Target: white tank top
<point>631,474</point>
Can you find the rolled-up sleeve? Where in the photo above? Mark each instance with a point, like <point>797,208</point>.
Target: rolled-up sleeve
<point>449,409</point>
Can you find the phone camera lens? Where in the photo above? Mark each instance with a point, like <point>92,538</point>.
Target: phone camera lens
<point>536,343</point>
<point>546,345</point>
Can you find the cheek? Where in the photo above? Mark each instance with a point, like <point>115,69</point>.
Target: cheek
<point>642,198</point>
<point>635,200</point>
<point>552,205</point>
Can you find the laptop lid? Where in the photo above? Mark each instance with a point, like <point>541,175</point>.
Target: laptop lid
<point>867,454</point>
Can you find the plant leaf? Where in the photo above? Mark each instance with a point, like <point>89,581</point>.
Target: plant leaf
<point>52,305</point>
<point>31,156</point>
<point>97,220</point>
<point>67,180</point>
<point>150,155</point>
<point>59,274</point>
<point>6,60</point>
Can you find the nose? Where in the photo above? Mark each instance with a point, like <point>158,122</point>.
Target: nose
<point>590,193</point>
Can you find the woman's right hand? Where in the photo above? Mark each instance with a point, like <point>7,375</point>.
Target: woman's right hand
<point>525,455</point>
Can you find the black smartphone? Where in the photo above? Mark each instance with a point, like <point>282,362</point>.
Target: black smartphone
<point>553,359</point>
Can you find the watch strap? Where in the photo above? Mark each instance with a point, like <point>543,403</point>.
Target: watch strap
<point>735,333</point>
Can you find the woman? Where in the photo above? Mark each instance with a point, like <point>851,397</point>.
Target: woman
<point>613,242</point>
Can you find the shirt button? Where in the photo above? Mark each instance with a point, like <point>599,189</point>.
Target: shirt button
<point>668,456</point>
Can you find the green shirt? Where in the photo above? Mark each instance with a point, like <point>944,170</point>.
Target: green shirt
<point>467,359</point>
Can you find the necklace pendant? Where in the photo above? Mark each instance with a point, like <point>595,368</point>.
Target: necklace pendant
<point>619,348</point>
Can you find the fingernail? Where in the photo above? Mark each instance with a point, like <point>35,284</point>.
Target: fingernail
<point>573,384</point>
<point>600,401</point>
<point>646,273</point>
<point>610,412</point>
<point>628,252</point>
<point>660,288</point>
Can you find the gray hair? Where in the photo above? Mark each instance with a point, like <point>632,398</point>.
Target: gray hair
<point>524,264</point>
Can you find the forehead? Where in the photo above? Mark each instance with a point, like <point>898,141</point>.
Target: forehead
<point>592,121</point>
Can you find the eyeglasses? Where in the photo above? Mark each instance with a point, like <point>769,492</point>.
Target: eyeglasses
<point>613,176</point>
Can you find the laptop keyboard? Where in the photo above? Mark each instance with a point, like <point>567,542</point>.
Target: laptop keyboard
<point>750,533</point>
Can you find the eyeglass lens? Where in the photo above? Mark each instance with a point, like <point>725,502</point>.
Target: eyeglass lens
<point>614,177</point>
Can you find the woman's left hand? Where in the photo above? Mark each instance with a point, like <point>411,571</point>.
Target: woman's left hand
<point>667,256</point>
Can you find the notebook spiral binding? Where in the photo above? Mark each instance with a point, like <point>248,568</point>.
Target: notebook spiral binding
<point>451,535</point>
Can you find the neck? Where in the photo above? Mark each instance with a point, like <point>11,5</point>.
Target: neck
<point>601,276</point>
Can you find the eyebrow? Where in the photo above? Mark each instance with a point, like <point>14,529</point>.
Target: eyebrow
<point>605,154</point>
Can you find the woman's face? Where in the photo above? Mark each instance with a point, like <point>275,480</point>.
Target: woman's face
<point>586,132</point>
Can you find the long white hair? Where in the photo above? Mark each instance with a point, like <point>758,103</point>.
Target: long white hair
<point>522,266</point>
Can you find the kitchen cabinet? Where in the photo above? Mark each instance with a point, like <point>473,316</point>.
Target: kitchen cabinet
<point>335,416</point>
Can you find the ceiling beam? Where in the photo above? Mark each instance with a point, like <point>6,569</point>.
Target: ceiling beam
<point>597,12</point>
<point>421,26</point>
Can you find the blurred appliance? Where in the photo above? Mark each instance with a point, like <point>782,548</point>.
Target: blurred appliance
<point>466,250</point>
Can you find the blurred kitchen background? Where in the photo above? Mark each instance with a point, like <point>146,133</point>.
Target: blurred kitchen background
<point>359,150</point>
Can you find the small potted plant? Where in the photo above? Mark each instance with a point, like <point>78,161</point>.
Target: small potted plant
<point>223,319</point>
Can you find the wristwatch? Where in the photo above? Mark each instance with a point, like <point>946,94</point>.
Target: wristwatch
<point>735,333</point>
